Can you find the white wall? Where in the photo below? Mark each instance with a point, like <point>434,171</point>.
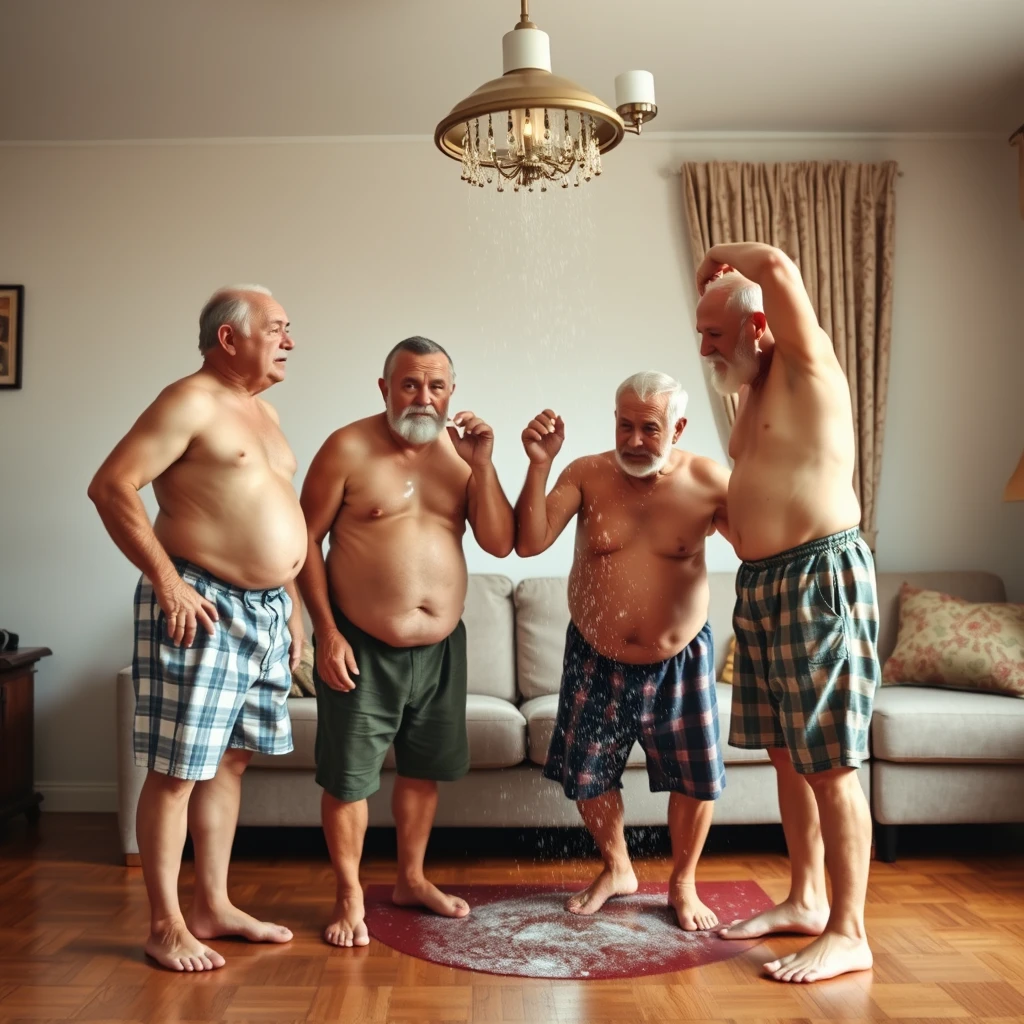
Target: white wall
<point>541,300</point>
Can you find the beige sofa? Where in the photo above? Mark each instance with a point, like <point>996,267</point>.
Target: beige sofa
<point>515,635</point>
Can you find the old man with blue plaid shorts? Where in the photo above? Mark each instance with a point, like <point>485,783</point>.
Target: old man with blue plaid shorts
<point>217,624</point>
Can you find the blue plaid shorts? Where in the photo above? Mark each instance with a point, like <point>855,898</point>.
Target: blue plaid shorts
<point>226,690</point>
<point>604,706</point>
<point>806,664</point>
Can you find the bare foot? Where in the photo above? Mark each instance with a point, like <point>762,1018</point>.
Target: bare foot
<point>827,956</point>
<point>786,917</point>
<point>691,912</point>
<point>177,949</point>
<point>347,927</point>
<point>426,894</point>
<point>607,884</point>
<point>210,924</point>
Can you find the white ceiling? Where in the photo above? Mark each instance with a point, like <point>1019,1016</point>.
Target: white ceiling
<point>124,69</point>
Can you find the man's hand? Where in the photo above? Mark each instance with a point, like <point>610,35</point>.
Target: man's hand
<point>297,629</point>
<point>476,443</point>
<point>335,661</point>
<point>710,270</point>
<point>543,438</point>
<point>185,611</point>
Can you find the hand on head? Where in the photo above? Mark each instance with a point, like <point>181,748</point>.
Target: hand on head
<point>710,270</point>
<point>543,437</point>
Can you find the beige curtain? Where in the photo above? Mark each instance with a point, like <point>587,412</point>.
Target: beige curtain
<point>835,220</point>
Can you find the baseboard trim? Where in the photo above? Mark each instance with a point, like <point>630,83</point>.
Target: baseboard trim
<point>64,797</point>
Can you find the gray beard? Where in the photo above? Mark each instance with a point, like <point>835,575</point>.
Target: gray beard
<point>740,371</point>
<point>416,429</point>
<point>641,470</point>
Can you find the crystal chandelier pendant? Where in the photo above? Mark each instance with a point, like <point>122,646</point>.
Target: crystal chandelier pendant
<point>554,131</point>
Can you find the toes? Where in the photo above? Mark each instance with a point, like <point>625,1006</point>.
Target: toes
<point>206,963</point>
<point>362,938</point>
<point>279,933</point>
<point>214,957</point>
<point>461,908</point>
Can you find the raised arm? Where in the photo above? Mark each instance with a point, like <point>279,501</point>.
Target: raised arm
<point>488,510</point>
<point>541,518</point>
<point>322,494</point>
<point>787,307</point>
<point>160,436</point>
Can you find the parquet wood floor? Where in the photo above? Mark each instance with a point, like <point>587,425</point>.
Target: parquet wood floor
<point>947,930</point>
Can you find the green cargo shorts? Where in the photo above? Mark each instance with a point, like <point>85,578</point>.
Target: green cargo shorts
<point>414,697</point>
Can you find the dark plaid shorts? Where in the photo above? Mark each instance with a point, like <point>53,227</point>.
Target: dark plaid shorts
<point>605,706</point>
<point>806,663</point>
<point>226,690</point>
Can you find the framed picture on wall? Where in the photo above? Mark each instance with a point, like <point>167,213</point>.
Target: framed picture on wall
<point>12,310</point>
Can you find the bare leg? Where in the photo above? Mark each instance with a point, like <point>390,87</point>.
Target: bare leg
<point>160,825</point>
<point>805,909</point>
<point>846,824</point>
<point>688,823</point>
<point>414,803</point>
<point>212,816</point>
<point>603,816</point>
<point>345,830</point>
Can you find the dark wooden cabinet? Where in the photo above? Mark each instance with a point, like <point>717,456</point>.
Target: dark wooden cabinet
<point>17,790</point>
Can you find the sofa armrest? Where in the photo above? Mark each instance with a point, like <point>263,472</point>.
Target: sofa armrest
<point>129,777</point>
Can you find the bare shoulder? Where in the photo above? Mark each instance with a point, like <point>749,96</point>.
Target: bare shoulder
<point>353,442</point>
<point>708,471</point>
<point>590,469</point>
<point>192,397</point>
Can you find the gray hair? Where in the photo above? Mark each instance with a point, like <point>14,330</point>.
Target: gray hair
<point>420,347</point>
<point>744,295</point>
<point>649,383</point>
<point>227,306</point>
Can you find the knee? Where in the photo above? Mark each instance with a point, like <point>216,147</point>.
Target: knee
<point>236,761</point>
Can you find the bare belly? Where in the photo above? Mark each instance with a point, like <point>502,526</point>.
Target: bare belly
<point>638,608</point>
<point>256,540</point>
<point>402,581</point>
<point>773,509</point>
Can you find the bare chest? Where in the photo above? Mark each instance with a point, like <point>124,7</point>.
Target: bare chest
<point>670,526</point>
<point>387,491</point>
<point>247,443</point>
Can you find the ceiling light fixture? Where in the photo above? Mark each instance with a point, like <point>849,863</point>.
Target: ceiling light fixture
<point>532,127</point>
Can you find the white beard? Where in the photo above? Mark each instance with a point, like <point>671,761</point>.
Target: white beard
<point>742,369</point>
<point>417,424</point>
<point>650,467</point>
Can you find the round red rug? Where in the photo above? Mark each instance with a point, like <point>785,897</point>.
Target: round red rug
<point>525,930</point>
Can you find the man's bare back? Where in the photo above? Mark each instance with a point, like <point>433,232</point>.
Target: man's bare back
<point>638,589</point>
<point>228,503</point>
<point>395,564</point>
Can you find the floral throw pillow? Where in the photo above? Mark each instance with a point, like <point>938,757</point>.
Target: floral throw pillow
<point>946,641</point>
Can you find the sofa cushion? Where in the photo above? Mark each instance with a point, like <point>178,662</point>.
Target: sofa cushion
<point>542,615</point>
<point>971,586</point>
<point>490,641</point>
<point>917,723</point>
<point>496,731</point>
<point>965,645</point>
<point>540,724</point>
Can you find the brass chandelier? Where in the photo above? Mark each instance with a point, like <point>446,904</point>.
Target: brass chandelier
<point>531,127</point>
